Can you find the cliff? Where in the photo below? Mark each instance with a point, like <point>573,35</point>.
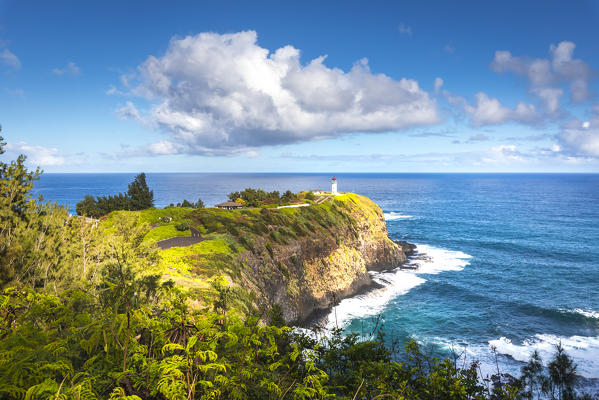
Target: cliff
<point>348,237</point>
<point>301,259</point>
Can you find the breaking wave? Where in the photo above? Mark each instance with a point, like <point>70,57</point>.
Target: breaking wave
<point>587,313</point>
<point>392,216</point>
<point>426,260</point>
<point>584,350</point>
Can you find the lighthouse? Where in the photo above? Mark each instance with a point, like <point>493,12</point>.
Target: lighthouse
<point>334,187</point>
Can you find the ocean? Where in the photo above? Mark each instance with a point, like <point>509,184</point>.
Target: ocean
<point>509,263</point>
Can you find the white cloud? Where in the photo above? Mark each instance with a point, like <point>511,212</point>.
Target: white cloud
<point>163,147</point>
<point>551,98</point>
<point>8,58</point>
<point>218,94</point>
<point>489,111</point>
<point>404,29</point>
<point>581,139</point>
<point>575,71</point>
<point>545,75</point>
<point>438,84</point>
<point>37,155</point>
<point>128,111</point>
<point>503,154</point>
<point>70,69</point>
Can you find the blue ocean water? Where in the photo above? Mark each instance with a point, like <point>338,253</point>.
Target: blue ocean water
<point>508,261</point>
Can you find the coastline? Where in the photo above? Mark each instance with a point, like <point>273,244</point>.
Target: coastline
<point>318,318</point>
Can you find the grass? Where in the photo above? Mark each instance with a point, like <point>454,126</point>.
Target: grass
<point>164,232</point>
<point>260,232</point>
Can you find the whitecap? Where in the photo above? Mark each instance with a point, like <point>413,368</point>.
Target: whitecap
<point>427,259</point>
<point>466,353</point>
<point>584,350</point>
<point>433,260</point>
<point>373,302</point>
<point>587,313</point>
<point>392,216</point>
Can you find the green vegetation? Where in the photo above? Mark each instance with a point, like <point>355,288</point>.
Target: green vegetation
<point>182,227</point>
<point>89,311</point>
<point>258,197</point>
<point>188,204</point>
<point>138,197</point>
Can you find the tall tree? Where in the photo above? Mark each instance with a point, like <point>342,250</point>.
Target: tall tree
<point>88,207</point>
<point>17,217</point>
<point>140,194</point>
<point>2,142</point>
<point>532,378</point>
<point>562,371</point>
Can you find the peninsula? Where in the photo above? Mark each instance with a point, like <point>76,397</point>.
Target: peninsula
<point>299,259</point>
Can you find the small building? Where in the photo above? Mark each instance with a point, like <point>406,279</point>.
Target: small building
<point>195,232</point>
<point>229,205</point>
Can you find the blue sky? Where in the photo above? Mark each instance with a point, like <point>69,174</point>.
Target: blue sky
<point>264,86</point>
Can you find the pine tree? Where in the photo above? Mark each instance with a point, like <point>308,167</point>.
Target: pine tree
<point>187,204</point>
<point>562,371</point>
<point>140,195</point>
<point>87,207</point>
<point>532,377</point>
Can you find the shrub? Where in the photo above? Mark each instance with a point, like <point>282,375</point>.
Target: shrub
<point>182,227</point>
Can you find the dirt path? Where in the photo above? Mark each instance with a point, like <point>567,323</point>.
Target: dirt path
<point>179,241</point>
<point>322,199</point>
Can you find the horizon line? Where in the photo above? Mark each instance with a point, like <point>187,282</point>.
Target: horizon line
<point>334,172</point>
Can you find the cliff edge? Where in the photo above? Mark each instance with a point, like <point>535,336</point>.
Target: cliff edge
<point>346,239</point>
<point>301,259</point>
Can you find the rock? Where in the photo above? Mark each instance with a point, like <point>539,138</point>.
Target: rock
<point>409,249</point>
<point>310,273</point>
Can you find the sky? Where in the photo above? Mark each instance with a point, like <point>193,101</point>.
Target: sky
<point>311,86</point>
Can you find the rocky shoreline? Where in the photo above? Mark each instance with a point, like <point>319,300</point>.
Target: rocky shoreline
<point>317,319</point>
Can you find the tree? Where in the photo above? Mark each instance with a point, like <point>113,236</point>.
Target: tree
<point>87,207</point>
<point>532,379</point>
<point>288,197</point>
<point>18,219</point>
<point>2,142</point>
<point>234,196</point>
<point>140,195</point>
<point>186,204</point>
<point>562,371</point>
<point>189,204</point>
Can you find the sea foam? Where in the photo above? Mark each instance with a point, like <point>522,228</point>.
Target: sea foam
<point>427,259</point>
<point>587,313</point>
<point>392,216</point>
<point>584,350</point>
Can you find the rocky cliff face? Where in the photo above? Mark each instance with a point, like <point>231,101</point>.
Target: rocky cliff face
<point>347,237</point>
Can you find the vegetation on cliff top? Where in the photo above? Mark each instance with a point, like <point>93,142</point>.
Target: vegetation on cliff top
<point>138,197</point>
<point>258,197</point>
<point>265,235</point>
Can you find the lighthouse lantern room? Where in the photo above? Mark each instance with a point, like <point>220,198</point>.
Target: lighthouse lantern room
<point>334,187</point>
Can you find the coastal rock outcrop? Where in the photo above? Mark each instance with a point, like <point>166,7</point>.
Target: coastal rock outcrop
<point>304,274</point>
<point>301,259</point>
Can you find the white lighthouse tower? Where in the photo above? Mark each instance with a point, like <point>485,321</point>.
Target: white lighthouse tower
<point>334,187</point>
